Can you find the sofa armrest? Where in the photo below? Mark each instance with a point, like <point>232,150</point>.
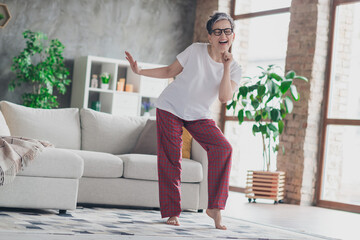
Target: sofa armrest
<point>199,154</point>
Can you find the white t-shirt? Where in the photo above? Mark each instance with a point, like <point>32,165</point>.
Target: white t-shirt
<point>195,89</point>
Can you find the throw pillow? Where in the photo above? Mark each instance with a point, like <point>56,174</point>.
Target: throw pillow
<point>186,149</point>
<point>61,127</point>
<point>147,142</point>
<point>104,132</point>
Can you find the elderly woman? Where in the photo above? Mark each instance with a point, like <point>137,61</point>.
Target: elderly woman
<point>204,71</point>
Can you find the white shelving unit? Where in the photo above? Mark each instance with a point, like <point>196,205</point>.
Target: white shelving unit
<point>112,101</point>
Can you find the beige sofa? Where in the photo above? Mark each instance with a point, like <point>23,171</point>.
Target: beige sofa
<point>92,162</point>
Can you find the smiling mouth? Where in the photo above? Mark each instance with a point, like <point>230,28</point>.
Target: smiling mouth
<point>223,42</point>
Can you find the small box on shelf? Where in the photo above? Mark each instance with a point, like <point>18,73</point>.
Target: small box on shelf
<point>120,85</point>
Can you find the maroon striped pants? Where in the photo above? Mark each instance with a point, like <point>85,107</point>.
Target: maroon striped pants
<point>169,142</point>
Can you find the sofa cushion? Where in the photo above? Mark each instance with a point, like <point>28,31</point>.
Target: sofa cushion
<point>141,166</point>
<point>101,165</point>
<point>61,127</point>
<point>4,129</point>
<point>103,132</point>
<point>147,142</point>
<point>55,163</point>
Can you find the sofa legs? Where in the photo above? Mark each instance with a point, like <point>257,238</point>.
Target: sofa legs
<point>62,211</point>
<point>200,210</point>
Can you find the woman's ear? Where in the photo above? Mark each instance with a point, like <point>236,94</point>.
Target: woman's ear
<point>209,38</point>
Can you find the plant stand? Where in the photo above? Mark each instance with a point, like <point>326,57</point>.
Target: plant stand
<point>265,185</point>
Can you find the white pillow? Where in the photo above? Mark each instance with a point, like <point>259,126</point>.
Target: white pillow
<point>103,132</point>
<point>4,129</point>
<point>61,127</point>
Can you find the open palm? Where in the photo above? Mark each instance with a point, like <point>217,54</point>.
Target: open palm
<point>133,63</point>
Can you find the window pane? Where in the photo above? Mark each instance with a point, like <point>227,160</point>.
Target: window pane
<point>249,6</point>
<point>247,151</point>
<point>260,41</point>
<point>341,179</point>
<point>344,99</point>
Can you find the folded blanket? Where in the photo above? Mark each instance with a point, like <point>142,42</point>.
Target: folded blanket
<point>15,154</point>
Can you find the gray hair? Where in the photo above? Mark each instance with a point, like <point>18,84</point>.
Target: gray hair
<point>217,17</point>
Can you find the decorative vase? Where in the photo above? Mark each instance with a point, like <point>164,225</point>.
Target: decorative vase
<point>146,114</point>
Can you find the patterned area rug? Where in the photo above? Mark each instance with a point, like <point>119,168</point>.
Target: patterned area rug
<point>136,222</point>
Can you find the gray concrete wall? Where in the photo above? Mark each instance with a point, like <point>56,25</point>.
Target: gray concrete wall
<point>154,31</point>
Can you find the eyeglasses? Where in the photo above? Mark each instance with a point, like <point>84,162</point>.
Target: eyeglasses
<point>218,31</point>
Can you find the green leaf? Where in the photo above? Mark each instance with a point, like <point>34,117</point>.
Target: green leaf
<point>275,115</point>
<point>290,75</point>
<point>264,114</point>
<point>302,78</point>
<point>244,102</point>
<point>294,92</point>
<point>288,104</point>
<point>252,88</point>
<point>255,103</point>
<point>272,127</point>
<point>281,126</point>
<point>255,129</point>
<point>229,105</point>
<point>261,90</point>
<point>241,116</point>
<point>273,87</point>
<point>258,118</point>
<point>243,91</point>
<point>285,85</point>
<point>276,76</point>
<point>265,130</point>
<point>249,115</point>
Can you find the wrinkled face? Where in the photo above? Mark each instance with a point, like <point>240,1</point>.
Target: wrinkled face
<point>222,42</point>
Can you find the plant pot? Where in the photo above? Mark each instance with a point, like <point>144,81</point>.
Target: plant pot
<point>146,114</point>
<point>265,185</point>
<point>104,86</point>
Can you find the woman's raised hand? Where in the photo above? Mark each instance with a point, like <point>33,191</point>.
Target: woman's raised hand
<point>136,69</point>
<point>227,58</point>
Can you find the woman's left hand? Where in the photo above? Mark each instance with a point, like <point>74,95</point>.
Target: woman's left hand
<point>227,58</point>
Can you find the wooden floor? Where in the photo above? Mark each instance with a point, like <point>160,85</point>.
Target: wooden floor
<point>315,220</point>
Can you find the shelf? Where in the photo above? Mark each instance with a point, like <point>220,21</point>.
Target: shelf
<point>100,90</point>
<point>113,101</point>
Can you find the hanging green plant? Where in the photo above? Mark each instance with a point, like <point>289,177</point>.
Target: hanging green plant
<point>40,65</point>
<point>267,103</point>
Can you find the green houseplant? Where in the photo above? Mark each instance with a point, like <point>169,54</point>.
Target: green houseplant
<point>1,16</point>
<point>105,80</point>
<point>40,65</point>
<point>264,99</point>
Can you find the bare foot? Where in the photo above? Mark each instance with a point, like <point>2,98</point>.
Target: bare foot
<point>216,215</point>
<point>173,221</point>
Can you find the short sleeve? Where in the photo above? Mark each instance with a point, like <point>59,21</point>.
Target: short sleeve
<point>184,55</point>
<point>236,73</point>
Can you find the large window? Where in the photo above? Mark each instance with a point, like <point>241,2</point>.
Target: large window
<point>339,179</point>
<point>261,33</point>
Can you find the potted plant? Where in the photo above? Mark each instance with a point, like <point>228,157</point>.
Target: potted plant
<point>42,67</point>
<point>265,100</point>
<point>105,79</point>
